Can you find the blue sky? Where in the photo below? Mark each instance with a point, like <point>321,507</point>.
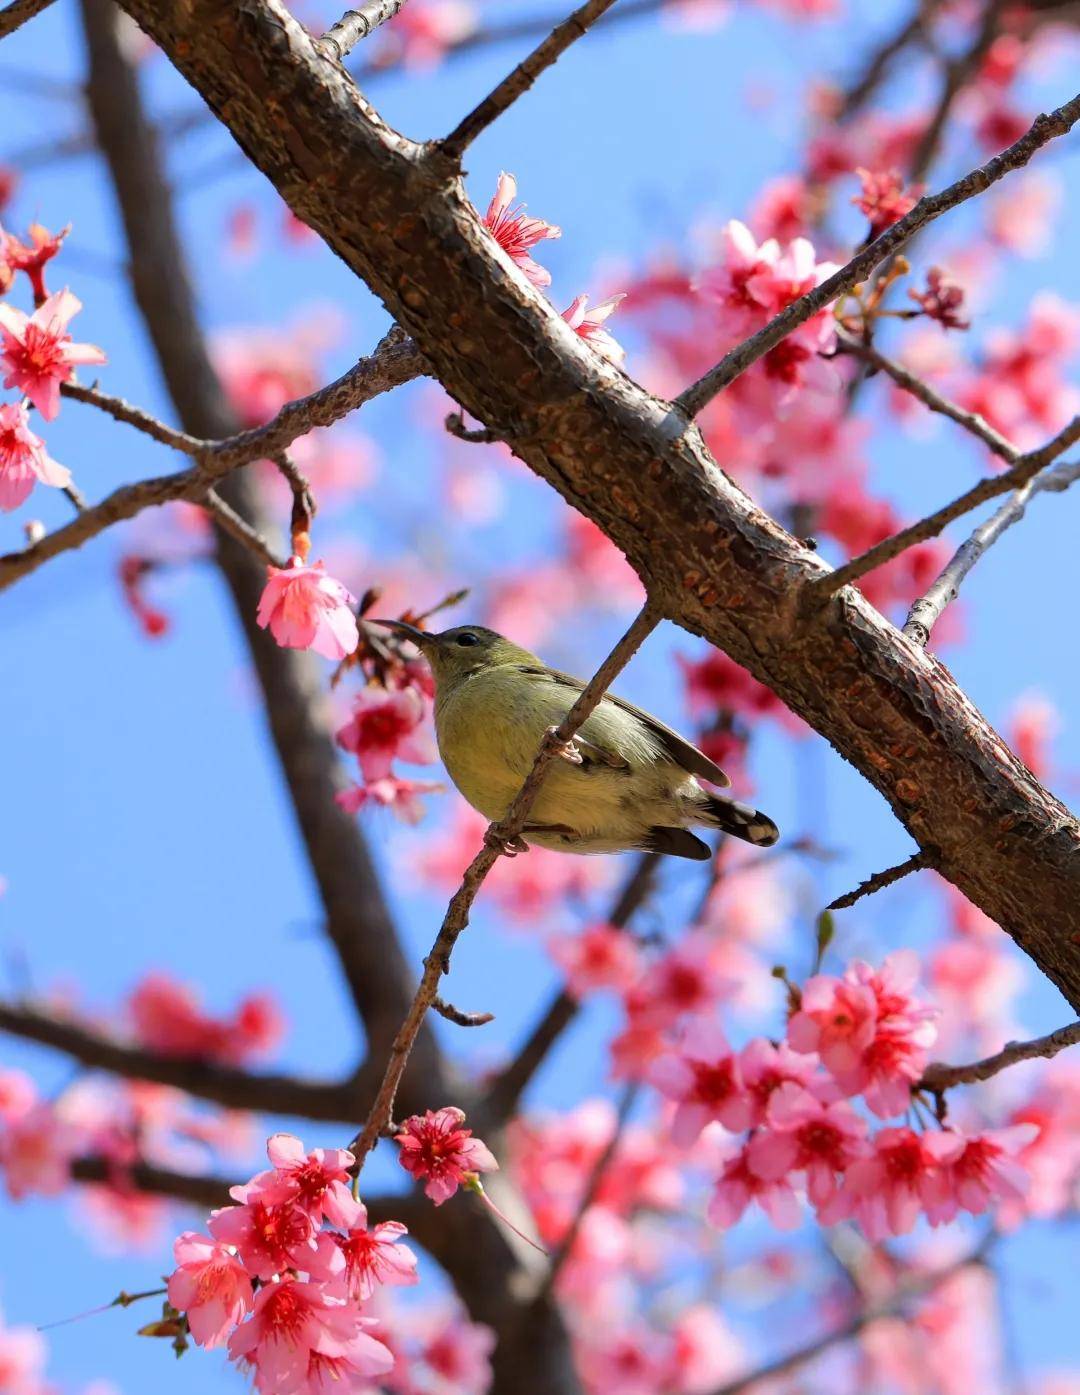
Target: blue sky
<point>147,825</point>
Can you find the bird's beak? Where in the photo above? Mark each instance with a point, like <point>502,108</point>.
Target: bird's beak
<point>419,638</point>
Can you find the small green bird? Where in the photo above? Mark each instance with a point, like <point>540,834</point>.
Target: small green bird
<point>628,782</point>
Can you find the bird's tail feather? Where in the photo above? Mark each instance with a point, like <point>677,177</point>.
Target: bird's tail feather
<point>739,820</point>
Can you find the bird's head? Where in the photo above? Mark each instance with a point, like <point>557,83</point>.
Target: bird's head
<point>457,653</point>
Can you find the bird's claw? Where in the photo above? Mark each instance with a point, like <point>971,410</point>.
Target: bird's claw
<point>565,750</point>
<point>506,847</point>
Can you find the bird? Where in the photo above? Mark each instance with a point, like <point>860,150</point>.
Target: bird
<point>627,782</point>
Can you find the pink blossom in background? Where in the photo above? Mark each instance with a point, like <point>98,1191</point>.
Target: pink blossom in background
<point>23,461</point>
<point>600,956</point>
<point>36,1152</point>
<point>167,1018</point>
<point>764,1066</point>
<point>210,1286</point>
<point>589,325</point>
<point>300,1339</point>
<point>517,234</point>
<point>402,797</point>
<point>374,1256</point>
<point>421,34</point>
<point>977,1170</point>
<point>883,198</point>
<point>306,609</point>
<point>22,1361</point>
<point>683,982</point>
<point>18,1094</point>
<point>386,725</point>
<point>37,353</point>
<point>1032,724</point>
<point>435,1146</point>
<point>453,1356</point>
<point>701,1074</point>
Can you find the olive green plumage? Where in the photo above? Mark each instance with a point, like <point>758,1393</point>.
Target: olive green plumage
<point>637,783</point>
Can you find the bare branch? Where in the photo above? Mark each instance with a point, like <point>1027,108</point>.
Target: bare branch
<point>517,83</point>
<point>915,863</point>
<point>461,1019</point>
<point>876,68</point>
<point>957,72</point>
<point>355,25</point>
<point>224,1085</point>
<point>123,411</point>
<point>15,15</point>
<point>927,610</point>
<point>940,1077</point>
<point>480,436</point>
<point>1043,129</point>
<point>500,835</point>
<point>990,487</point>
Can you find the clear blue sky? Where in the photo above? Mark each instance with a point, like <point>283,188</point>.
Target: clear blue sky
<point>146,824</point>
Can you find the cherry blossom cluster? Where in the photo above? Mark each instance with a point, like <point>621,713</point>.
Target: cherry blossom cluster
<point>37,355</point>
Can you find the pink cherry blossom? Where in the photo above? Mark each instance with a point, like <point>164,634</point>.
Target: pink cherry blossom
<point>37,353</point>
<point>600,956</point>
<point>300,1340</point>
<point>168,1018</point>
<point>764,1067</point>
<point>682,983</point>
<point>317,1182</point>
<point>423,32</point>
<point>272,1239</point>
<point>942,300</point>
<point>836,1019</point>
<point>516,234</point>
<point>886,1191</point>
<point>18,1095</point>
<point>977,1170</point>
<point>373,1255</point>
<point>702,1075</point>
<point>589,325</point>
<point>210,1286</point>
<point>33,257</point>
<point>435,1146</point>
<point>36,1151</point>
<point>23,461</point>
<point>454,1356</point>
<point>883,199</point>
<point>806,1135</point>
<point>739,1185</point>
<point>402,797</point>
<point>386,724</point>
<point>22,1361</point>
<point>306,609</point>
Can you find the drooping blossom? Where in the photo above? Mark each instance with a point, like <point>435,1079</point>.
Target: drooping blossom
<point>401,797</point>
<point>23,460</point>
<point>435,1146</point>
<point>300,1339</point>
<point>210,1286</point>
<point>589,325</point>
<point>808,1136</point>
<point>306,609</point>
<point>517,234</point>
<point>373,1255</point>
<point>33,258</point>
<point>702,1075</point>
<point>386,724</point>
<point>316,1181</point>
<point>37,353</point>
<point>600,956</point>
<point>887,1190</point>
<point>977,1170</point>
<point>883,198</point>
<point>739,1185</point>
<point>942,300</point>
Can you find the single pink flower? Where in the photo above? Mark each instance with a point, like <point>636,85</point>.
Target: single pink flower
<point>386,724</point>
<point>977,1170</point>
<point>589,325</point>
<point>684,982</point>
<point>36,1152</point>
<point>516,234</point>
<point>942,300</point>
<point>836,1019</point>
<point>455,1356</point>
<point>299,1341</point>
<point>36,351</point>
<point>883,198</point>
<point>33,258</point>
<point>765,1067</point>
<point>402,797</point>
<point>306,609</point>
<point>316,1182</point>
<point>273,1239</point>
<point>806,1135</point>
<point>739,1185</point>
<point>373,1256</point>
<point>601,956</point>
<point>886,1191</point>
<point>211,1286</point>
<point>23,462</point>
<point>702,1075</point>
<point>435,1146</point>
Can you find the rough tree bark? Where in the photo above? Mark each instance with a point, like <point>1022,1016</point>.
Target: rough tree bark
<point>396,213</point>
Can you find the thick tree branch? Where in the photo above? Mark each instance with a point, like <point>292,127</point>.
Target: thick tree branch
<point>355,25</point>
<point>517,83</point>
<point>15,15</point>
<point>940,1077</point>
<point>1044,129</point>
<point>717,564</point>
<point>358,920</point>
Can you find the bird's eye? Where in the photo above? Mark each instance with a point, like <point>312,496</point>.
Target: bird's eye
<point>467,638</point>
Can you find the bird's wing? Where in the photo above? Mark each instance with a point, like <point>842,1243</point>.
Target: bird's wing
<point>677,747</point>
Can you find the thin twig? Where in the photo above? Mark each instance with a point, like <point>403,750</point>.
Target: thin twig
<point>481,435</point>
<point>915,863</point>
<point>1044,129</point>
<point>940,1077</point>
<point>1026,467</point>
<point>876,69</point>
<point>15,15</point>
<point>355,25</point>
<point>500,835</point>
<point>143,421</point>
<point>956,73</point>
<point>462,1019</point>
<point>227,518</point>
<point>927,610</point>
<point>517,83</point>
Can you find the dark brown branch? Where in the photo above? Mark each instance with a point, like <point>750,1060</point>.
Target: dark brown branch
<point>15,15</point>
<point>502,1098</point>
<point>224,1085</point>
<point>1044,129</point>
<point>461,1019</point>
<point>355,25</point>
<point>123,411</point>
<point>500,836</point>
<point>915,863</point>
<point>479,436</point>
<point>517,83</point>
<point>927,610</point>
<point>226,518</point>
<point>1026,467</point>
<point>940,1077</point>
